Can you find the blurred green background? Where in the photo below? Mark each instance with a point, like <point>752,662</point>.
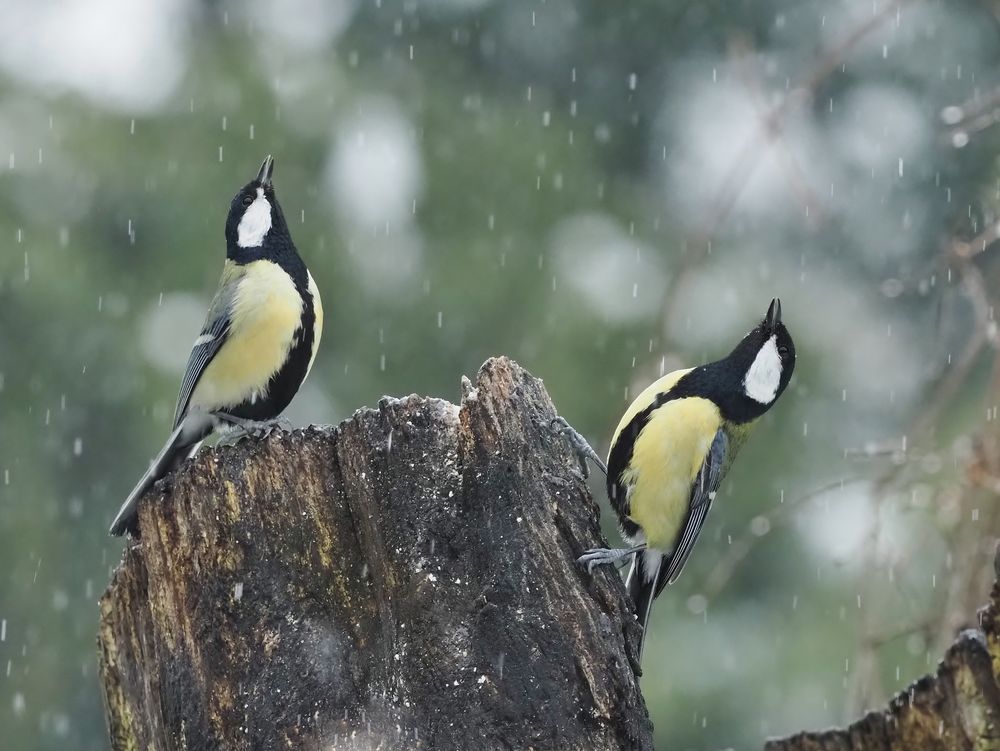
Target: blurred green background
<point>601,190</point>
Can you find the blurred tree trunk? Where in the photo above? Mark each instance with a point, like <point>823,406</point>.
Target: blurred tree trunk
<point>405,580</point>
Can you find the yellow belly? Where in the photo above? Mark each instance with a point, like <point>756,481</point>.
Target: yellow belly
<point>267,311</point>
<point>666,459</point>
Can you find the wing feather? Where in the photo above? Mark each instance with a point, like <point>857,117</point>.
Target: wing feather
<point>703,491</point>
<point>213,335</point>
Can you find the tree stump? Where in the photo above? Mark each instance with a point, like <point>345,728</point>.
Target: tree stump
<point>957,709</point>
<point>406,581</point>
<point>403,581</point>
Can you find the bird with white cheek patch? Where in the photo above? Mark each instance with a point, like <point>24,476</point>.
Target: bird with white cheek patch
<point>258,342</point>
<point>672,448</point>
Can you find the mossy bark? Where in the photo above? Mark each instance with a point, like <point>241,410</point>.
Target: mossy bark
<point>406,580</point>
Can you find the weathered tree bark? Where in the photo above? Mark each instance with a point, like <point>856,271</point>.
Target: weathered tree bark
<point>406,580</point>
<point>957,709</point>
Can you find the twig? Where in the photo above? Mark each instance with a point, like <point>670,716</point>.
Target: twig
<point>746,162</point>
<point>971,117</point>
<point>978,244</point>
<point>742,545</point>
<point>799,189</point>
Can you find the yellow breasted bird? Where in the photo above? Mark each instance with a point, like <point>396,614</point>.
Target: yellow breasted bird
<point>258,342</point>
<point>672,448</point>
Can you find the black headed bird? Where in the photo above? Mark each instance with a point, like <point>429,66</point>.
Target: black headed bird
<point>672,448</point>
<point>258,342</point>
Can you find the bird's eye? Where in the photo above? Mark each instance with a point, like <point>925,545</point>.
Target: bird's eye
<point>247,200</point>
<point>782,351</point>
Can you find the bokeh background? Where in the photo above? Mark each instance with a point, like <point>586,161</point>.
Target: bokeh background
<point>602,190</point>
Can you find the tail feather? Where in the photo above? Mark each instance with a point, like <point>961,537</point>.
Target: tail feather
<point>183,442</point>
<point>644,582</point>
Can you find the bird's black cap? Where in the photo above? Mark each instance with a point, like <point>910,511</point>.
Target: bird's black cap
<point>255,226</point>
<point>746,382</point>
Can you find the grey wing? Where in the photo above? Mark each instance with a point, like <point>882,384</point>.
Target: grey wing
<point>213,335</point>
<point>706,485</point>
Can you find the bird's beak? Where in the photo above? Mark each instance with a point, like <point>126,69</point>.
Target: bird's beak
<point>773,317</point>
<point>266,169</point>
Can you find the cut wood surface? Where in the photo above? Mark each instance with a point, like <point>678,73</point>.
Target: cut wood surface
<point>404,580</point>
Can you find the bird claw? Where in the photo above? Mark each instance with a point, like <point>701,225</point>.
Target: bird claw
<point>256,428</point>
<point>266,427</point>
<point>579,444</point>
<point>603,556</point>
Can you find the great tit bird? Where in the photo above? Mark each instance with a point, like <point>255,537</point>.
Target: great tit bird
<point>258,342</point>
<point>672,448</point>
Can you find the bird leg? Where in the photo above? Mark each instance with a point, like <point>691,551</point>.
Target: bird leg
<point>579,444</point>
<point>602,556</point>
<point>242,427</point>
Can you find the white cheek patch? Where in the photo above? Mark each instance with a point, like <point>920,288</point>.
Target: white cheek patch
<point>762,380</point>
<point>256,222</point>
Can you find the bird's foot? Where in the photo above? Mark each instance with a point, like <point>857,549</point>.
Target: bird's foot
<point>241,428</point>
<point>581,447</point>
<point>603,556</point>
